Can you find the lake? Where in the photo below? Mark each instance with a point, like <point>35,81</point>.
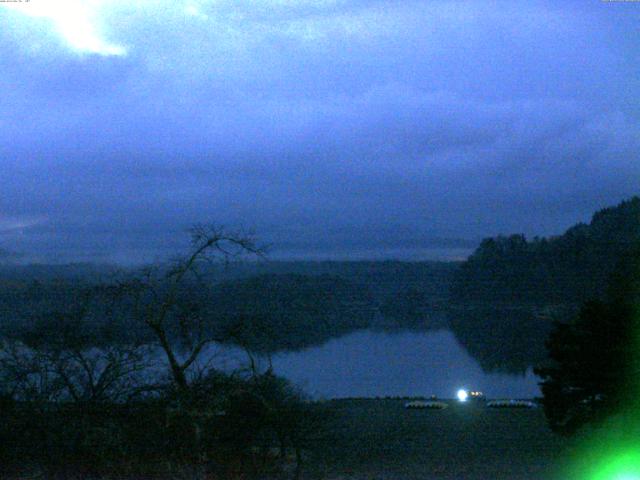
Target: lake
<point>378,364</point>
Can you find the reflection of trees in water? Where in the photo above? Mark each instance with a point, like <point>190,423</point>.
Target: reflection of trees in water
<point>568,269</point>
<point>505,339</point>
<point>272,313</point>
<point>411,309</point>
<point>290,312</point>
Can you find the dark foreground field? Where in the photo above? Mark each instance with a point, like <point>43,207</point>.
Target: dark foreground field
<point>379,439</point>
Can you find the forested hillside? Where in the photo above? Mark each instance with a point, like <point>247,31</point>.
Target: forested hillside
<point>273,312</point>
<point>569,268</point>
<point>505,297</point>
<point>266,306</point>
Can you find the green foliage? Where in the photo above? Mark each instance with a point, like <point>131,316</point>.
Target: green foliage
<point>594,359</point>
<point>590,378</point>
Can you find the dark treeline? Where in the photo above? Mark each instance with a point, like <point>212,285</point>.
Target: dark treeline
<point>500,303</point>
<point>107,373</point>
<point>591,374</point>
<point>570,268</point>
<point>505,298</point>
<point>385,281</point>
<point>269,313</point>
<point>281,305</point>
<point>114,380</point>
<point>507,340</point>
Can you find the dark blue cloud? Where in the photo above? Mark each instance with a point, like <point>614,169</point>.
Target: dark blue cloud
<point>330,126</point>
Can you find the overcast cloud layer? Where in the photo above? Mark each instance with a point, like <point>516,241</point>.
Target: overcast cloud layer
<point>332,128</point>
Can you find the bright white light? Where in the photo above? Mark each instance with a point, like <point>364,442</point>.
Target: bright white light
<point>194,11</point>
<point>462,395</point>
<point>74,20</point>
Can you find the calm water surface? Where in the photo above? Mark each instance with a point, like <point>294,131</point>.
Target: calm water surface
<point>371,364</point>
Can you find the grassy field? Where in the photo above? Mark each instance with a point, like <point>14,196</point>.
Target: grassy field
<point>380,439</point>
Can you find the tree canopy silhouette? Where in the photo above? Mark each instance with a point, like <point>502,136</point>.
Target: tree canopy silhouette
<point>594,360</point>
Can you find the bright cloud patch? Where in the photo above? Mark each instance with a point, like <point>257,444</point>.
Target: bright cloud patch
<point>75,21</point>
<point>15,224</point>
<point>194,11</point>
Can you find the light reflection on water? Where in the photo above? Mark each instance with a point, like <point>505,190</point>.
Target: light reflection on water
<point>377,364</point>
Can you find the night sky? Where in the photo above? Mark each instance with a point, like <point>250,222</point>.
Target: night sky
<point>333,129</point>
